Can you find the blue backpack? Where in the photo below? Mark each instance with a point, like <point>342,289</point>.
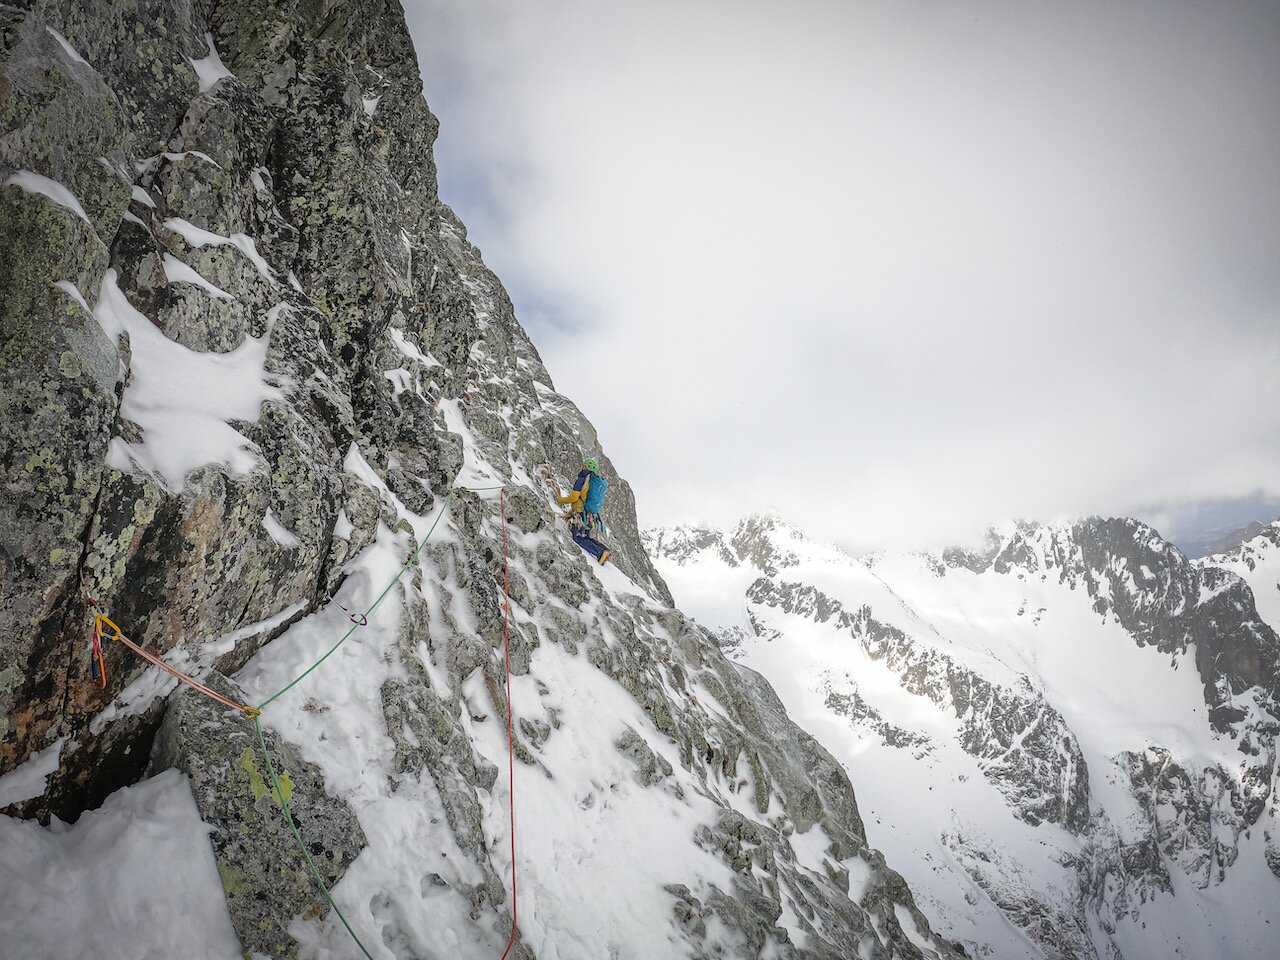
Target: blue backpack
<point>595,494</point>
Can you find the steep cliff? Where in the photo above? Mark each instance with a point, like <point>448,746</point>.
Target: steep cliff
<point>260,395</point>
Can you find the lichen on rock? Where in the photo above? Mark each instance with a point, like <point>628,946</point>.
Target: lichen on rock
<point>266,881</point>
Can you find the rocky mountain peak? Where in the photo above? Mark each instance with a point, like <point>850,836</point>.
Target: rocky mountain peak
<point>1248,546</point>
<point>1234,538</point>
<point>1142,581</point>
<point>683,542</point>
<point>763,540</point>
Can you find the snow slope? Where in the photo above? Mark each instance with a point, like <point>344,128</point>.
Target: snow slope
<point>1050,777</point>
<point>1257,561</point>
<point>92,889</point>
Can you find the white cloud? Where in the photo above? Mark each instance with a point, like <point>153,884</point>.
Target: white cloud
<point>899,268</point>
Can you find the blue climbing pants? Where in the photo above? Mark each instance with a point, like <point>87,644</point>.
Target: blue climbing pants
<point>583,528</point>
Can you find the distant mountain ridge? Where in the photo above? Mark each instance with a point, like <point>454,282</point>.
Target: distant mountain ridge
<point>1239,537</point>
<point>1072,730</point>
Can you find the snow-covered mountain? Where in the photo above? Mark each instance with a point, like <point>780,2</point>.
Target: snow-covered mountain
<point>267,410</point>
<point>1068,740</point>
<point>1257,562</point>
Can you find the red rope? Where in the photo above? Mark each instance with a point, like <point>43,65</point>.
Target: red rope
<point>511,764</point>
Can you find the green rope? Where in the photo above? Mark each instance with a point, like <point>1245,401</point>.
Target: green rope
<point>262,743</point>
<point>373,606</point>
<point>302,847</point>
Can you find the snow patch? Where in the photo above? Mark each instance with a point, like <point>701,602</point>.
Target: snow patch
<point>114,881</point>
<point>182,399</point>
<point>407,347</point>
<point>67,48</point>
<point>176,271</point>
<point>72,291</point>
<point>278,532</point>
<point>475,471</point>
<point>356,465</point>
<point>32,777</point>
<point>198,154</point>
<point>212,649</point>
<point>209,69</point>
<point>140,194</point>
<point>197,237</point>
<point>35,183</point>
<point>342,526</point>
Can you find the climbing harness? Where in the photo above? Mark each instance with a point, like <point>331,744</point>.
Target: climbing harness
<point>104,627</point>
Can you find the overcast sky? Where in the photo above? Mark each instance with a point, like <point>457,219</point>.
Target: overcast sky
<point>899,269</point>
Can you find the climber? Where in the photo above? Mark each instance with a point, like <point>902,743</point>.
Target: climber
<point>584,502</point>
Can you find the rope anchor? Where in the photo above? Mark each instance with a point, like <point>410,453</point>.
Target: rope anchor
<point>97,666</point>
<point>103,626</point>
<point>359,619</point>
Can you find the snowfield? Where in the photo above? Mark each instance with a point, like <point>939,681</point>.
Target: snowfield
<point>876,658</point>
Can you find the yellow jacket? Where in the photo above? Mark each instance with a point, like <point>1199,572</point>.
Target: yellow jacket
<point>575,498</point>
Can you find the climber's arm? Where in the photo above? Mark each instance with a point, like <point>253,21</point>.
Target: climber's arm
<point>578,495</point>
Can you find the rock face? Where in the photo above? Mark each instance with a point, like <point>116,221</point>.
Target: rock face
<point>1133,575</point>
<point>252,841</point>
<point>1091,717</point>
<point>256,380</point>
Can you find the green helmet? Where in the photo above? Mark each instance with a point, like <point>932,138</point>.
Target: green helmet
<point>592,464</point>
